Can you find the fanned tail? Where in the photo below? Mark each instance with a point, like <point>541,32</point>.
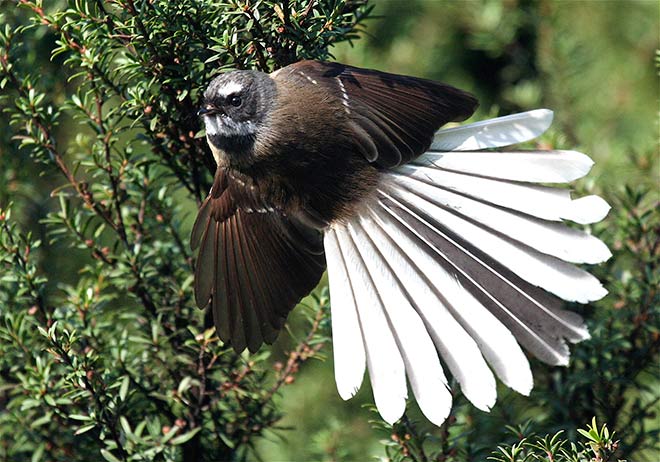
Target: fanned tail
<point>460,255</point>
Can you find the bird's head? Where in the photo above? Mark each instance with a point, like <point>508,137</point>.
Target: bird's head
<point>236,105</point>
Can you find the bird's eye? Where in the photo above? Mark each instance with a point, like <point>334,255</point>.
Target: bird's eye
<point>235,100</point>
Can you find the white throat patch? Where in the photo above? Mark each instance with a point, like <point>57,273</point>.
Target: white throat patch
<point>226,126</point>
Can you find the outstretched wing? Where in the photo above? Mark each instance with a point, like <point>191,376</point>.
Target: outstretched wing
<point>254,264</point>
<point>394,117</point>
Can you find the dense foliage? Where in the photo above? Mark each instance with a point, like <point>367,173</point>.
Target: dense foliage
<point>102,351</point>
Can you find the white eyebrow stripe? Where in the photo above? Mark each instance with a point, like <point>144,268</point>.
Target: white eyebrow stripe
<point>229,88</point>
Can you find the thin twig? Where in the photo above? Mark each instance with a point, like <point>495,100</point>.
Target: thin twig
<point>299,355</point>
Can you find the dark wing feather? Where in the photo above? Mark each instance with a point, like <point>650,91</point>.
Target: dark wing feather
<point>394,116</point>
<point>252,268</point>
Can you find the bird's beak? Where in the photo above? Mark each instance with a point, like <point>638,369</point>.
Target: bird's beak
<point>209,110</point>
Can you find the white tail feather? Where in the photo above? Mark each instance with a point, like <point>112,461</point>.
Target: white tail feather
<point>588,209</point>
<point>550,238</point>
<point>423,368</point>
<point>562,279</point>
<point>528,166</point>
<point>539,201</point>
<point>559,357</point>
<point>348,345</point>
<point>384,361</point>
<point>454,344</point>
<point>494,133</point>
<point>456,347</point>
<point>495,341</point>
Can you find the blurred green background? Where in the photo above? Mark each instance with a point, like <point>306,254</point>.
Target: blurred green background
<point>592,62</point>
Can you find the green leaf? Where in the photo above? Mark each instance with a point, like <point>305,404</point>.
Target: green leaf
<point>185,437</point>
<point>170,434</point>
<point>184,385</point>
<point>225,439</point>
<point>585,433</point>
<point>125,425</point>
<point>123,389</point>
<point>85,429</point>
<point>38,454</point>
<point>107,455</point>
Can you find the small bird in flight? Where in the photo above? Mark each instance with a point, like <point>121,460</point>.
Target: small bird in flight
<point>435,246</point>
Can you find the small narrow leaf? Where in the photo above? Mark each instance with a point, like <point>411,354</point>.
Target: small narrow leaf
<point>123,389</point>
<point>107,455</point>
<point>185,437</point>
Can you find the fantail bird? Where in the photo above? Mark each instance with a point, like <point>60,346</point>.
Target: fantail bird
<point>431,248</point>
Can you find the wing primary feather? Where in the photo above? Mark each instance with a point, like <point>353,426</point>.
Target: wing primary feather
<point>204,270</point>
<point>265,293</point>
<point>238,326</point>
<point>220,293</point>
<point>251,264</point>
<point>303,238</point>
<point>226,304</point>
<point>297,251</point>
<point>251,321</point>
<point>201,223</point>
<point>280,267</point>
